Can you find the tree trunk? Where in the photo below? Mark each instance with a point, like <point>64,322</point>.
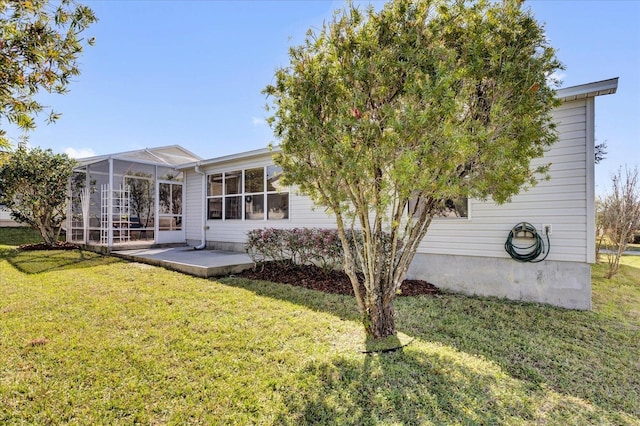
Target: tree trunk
<point>47,233</point>
<point>379,320</point>
<point>49,236</point>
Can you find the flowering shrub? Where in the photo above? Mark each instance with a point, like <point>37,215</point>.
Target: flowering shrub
<point>316,246</point>
<point>267,245</point>
<point>321,247</point>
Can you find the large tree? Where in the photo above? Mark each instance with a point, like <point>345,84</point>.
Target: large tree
<point>40,43</point>
<point>384,116</point>
<point>33,185</point>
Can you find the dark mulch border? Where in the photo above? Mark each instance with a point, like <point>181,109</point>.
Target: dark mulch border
<point>314,278</point>
<point>42,246</point>
<point>307,276</point>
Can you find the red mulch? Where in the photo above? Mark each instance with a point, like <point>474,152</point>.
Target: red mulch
<point>42,246</point>
<point>313,277</point>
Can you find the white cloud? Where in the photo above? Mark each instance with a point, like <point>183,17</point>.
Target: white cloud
<point>556,77</point>
<point>79,153</point>
<point>256,121</point>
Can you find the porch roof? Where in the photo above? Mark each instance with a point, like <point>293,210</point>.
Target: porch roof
<point>172,155</point>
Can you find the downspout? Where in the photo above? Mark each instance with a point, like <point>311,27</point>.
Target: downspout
<point>203,242</point>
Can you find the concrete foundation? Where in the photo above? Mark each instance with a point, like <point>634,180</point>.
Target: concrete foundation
<point>564,284</point>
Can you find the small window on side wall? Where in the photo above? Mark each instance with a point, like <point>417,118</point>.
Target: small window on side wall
<point>450,209</point>
<point>454,208</point>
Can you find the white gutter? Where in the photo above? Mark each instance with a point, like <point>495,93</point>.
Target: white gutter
<point>589,90</point>
<point>227,158</point>
<point>203,209</point>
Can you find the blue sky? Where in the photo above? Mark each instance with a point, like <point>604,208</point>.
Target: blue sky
<point>190,73</point>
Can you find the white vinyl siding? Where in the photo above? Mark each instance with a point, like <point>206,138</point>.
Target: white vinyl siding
<point>561,202</point>
<point>301,215</point>
<point>193,208</point>
<point>301,211</point>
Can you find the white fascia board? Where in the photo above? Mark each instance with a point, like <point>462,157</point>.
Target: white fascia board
<point>239,156</point>
<point>589,90</point>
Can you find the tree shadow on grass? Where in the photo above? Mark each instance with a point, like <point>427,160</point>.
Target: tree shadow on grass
<point>425,384</point>
<point>577,354</point>
<point>39,261</point>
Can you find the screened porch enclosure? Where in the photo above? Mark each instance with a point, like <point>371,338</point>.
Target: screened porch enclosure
<point>121,201</point>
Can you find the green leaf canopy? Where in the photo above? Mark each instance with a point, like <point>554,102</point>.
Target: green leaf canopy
<point>426,100</point>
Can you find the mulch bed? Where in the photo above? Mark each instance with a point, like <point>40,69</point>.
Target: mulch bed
<point>307,276</point>
<point>314,278</point>
<point>42,246</point>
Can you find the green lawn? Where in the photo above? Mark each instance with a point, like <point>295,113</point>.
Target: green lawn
<point>619,297</point>
<point>88,339</point>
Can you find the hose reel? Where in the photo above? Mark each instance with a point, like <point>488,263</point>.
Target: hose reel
<point>527,253</point>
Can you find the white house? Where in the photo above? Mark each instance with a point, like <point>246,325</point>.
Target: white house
<point>223,198</point>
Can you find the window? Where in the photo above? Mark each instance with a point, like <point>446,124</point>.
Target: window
<point>254,180</point>
<point>274,174</point>
<point>454,208</point>
<point>277,206</point>
<point>214,196</point>
<point>458,207</point>
<point>252,194</point>
<point>215,184</point>
<point>233,182</point>
<point>277,201</point>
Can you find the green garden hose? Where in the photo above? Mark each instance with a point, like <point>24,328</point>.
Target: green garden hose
<point>525,230</point>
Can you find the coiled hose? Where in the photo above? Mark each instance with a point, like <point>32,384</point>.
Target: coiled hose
<point>529,253</point>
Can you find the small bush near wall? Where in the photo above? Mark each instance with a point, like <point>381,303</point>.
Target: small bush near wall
<point>315,246</point>
<point>307,246</point>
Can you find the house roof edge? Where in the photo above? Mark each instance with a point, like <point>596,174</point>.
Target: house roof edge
<point>589,90</point>
<point>241,155</point>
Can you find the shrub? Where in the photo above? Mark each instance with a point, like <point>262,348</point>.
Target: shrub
<point>267,245</point>
<point>306,246</point>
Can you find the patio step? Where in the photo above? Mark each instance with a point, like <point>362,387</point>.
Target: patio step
<point>199,263</point>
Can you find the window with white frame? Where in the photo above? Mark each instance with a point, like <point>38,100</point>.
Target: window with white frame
<point>251,194</point>
<point>453,208</point>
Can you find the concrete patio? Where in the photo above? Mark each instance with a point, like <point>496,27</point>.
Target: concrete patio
<point>200,263</point>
